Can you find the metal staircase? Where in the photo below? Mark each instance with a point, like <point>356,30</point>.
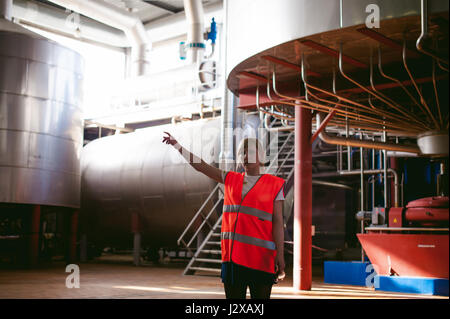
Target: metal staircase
<point>207,256</point>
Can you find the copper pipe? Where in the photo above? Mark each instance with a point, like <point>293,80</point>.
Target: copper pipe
<point>380,69</point>
<point>368,119</point>
<point>306,100</point>
<point>335,140</point>
<point>387,114</point>
<point>339,97</point>
<point>394,104</point>
<point>265,112</point>
<point>342,123</point>
<point>436,94</point>
<point>360,116</point>
<point>317,106</point>
<point>422,100</point>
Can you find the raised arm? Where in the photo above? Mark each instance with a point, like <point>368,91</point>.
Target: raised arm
<point>196,162</point>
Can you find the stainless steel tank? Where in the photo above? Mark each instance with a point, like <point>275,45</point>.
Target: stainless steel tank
<point>136,173</point>
<point>255,26</point>
<point>41,128</point>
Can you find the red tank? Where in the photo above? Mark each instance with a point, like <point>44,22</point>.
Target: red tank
<point>428,212</point>
<point>419,254</point>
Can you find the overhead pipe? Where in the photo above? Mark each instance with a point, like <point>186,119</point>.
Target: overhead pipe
<point>6,9</point>
<point>118,18</point>
<point>228,113</point>
<point>365,172</point>
<point>193,10</point>
<point>424,34</point>
<point>336,140</point>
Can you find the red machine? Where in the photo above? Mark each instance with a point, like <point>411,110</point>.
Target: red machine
<point>415,243</point>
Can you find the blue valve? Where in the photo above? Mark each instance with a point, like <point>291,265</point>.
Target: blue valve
<point>212,35</point>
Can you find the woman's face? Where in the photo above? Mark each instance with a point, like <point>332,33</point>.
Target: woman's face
<point>250,158</point>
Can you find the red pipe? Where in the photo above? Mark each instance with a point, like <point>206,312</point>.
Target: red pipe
<point>34,234</point>
<point>302,274</point>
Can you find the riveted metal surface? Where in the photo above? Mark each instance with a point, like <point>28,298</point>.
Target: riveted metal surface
<point>41,129</point>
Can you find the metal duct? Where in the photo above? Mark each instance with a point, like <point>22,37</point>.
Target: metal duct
<point>228,102</point>
<point>336,140</point>
<point>116,17</point>
<point>6,9</point>
<point>194,17</point>
<point>50,18</point>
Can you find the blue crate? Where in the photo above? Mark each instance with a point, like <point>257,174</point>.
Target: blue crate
<point>355,273</point>
<point>414,285</point>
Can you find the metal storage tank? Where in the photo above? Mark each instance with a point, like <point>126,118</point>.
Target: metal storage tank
<point>135,174</point>
<point>41,130</point>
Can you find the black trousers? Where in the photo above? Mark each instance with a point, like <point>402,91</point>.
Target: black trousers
<point>239,291</point>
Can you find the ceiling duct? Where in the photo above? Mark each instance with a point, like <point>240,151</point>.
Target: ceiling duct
<point>118,18</point>
<point>194,18</point>
<point>6,9</point>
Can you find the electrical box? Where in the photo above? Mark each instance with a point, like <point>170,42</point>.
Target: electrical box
<point>379,216</point>
<point>396,217</point>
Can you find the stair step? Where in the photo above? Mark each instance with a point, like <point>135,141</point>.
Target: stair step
<point>212,251</point>
<point>208,260</point>
<point>213,242</point>
<point>218,270</point>
<point>215,235</point>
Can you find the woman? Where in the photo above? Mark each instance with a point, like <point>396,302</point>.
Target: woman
<point>252,234</point>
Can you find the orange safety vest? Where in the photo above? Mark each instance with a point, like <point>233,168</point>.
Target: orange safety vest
<point>246,235</point>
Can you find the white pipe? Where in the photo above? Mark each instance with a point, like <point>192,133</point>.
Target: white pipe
<point>336,140</point>
<point>195,16</point>
<point>118,18</point>
<point>6,9</point>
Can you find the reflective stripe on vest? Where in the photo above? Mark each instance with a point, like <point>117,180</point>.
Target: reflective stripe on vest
<point>249,240</point>
<point>248,210</point>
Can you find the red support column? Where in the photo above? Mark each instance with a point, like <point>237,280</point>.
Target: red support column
<point>302,275</point>
<point>34,235</point>
<point>73,236</point>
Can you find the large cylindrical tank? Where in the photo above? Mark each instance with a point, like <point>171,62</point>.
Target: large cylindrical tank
<point>41,128</point>
<point>136,174</point>
<point>255,26</point>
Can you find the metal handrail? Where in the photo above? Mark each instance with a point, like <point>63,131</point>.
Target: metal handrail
<point>282,147</point>
<point>286,158</point>
<point>180,239</point>
<point>204,222</point>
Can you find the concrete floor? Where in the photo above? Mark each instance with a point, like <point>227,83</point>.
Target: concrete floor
<point>116,277</point>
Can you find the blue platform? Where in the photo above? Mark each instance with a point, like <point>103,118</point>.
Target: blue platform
<point>355,273</point>
<point>414,285</point>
